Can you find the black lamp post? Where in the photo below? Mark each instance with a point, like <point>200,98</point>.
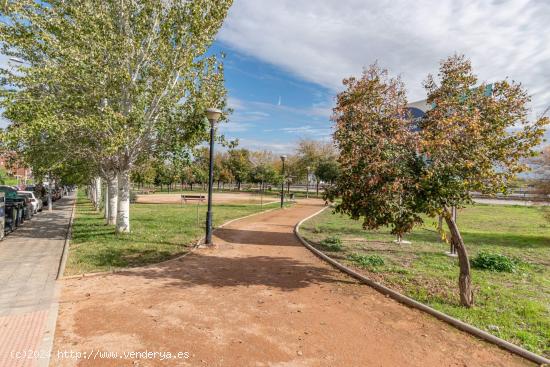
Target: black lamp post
<point>213,116</point>
<point>283,158</point>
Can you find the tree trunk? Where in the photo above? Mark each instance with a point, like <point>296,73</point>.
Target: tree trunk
<point>106,202</point>
<point>97,201</point>
<point>112,187</point>
<point>123,209</point>
<point>50,183</point>
<point>317,189</point>
<point>465,278</point>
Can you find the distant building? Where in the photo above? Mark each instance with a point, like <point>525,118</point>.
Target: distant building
<point>14,168</point>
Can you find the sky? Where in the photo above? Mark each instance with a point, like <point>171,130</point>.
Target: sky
<point>285,59</point>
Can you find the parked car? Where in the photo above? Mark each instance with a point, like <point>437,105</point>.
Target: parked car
<point>36,204</point>
<point>16,207</point>
<point>27,205</point>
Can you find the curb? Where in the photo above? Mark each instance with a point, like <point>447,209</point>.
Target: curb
<point>420,306</point>
<point>65,252</point>
<point>199,242</point>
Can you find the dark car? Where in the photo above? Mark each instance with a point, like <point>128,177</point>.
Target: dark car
<point>17,207</point>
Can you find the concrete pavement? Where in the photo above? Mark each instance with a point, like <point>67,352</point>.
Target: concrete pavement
<point>29,262</point>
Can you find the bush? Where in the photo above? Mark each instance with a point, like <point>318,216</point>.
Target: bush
<point>494,262</point>
<point>366,261</point>
<point>333,243</point>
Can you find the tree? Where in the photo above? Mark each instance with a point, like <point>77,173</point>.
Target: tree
<point>311,152</point>
<point>471,146</point>
<point>144,173</point>
<point>327,170</point>
<point>392,170</point>
<point>378,165</point>
<point>239,164</point>
<point>130,77</point>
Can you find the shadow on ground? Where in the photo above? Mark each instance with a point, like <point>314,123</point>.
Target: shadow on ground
<point>217,270</point>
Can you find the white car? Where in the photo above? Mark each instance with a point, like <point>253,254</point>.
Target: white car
<point>36,204</point>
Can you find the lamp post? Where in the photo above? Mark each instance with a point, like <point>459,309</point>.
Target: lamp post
<point>307,182</point>
<point>213,116</point>
<point>283,158</point>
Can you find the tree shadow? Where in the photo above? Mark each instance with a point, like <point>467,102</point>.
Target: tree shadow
<point>263,238</point>
<point>197,269</point>
<point>45,225</point>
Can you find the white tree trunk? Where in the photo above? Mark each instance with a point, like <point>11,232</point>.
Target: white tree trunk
<point>97,201</point>
<point>106,203</point>
<point>50,183</point>
<point>112,186</point>
<point>123,209</point>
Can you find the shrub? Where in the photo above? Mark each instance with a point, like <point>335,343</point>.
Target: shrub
<point>366,261</point>
<point>332,243</point>
<point>494,262</point>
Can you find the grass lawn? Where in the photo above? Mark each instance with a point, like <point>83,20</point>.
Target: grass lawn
<point>159,232</point>
<point>514,306</point>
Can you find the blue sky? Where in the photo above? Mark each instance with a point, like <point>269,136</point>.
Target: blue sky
<point>300,51</point>
<point>272,107</point>
<point>286,58</point>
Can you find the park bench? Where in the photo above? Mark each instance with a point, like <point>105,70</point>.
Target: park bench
<point>186,197</point>
<point>147,191</point>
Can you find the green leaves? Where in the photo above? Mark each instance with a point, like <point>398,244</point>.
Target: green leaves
<point>122,80</point>
<point>377,178</point>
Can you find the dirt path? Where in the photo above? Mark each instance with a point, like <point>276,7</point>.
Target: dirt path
<point>218,198</point>
<point>259,299</point>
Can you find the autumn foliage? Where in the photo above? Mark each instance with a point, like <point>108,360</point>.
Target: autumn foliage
<point>395,167</point>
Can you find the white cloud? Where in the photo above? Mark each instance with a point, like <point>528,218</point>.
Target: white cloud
<point>324,41</point>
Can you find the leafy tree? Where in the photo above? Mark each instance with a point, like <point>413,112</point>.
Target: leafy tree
<point>239,165</point>
<point>378,165</point>
<point>129,77</point>
<point>264,173</point>
<point>328,170</point>
<point>394,168</point>
<point>311,152</point>
<point>144,173</point>
<point>474,141</point>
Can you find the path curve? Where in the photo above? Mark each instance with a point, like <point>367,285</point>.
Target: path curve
<point>259,299</point>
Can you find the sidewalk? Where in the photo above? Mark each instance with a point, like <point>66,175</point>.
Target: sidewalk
<point>29,261</point>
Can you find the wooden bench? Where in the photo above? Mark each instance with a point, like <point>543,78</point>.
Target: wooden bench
<point>185,198</point>
<point>145,191</point>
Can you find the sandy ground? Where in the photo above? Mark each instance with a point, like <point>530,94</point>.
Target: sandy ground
<point>218,198</point>
<point>258,299</point>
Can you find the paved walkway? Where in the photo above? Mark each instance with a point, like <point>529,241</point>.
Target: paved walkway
<point>29,261</point>
<point>259,299</point>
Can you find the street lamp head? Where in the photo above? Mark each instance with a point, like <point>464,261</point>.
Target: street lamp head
<point>283,157</point>
<point>213,114</point>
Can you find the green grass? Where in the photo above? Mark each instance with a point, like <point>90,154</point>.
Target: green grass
<point>158,232</point>
<point>512,305</point>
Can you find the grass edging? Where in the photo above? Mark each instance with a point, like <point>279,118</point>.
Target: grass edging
<point>195,246</point>
<point>420,306</point>
<point>65,252</point>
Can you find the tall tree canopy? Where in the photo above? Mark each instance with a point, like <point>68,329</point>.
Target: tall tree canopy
<point>121,79</point>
